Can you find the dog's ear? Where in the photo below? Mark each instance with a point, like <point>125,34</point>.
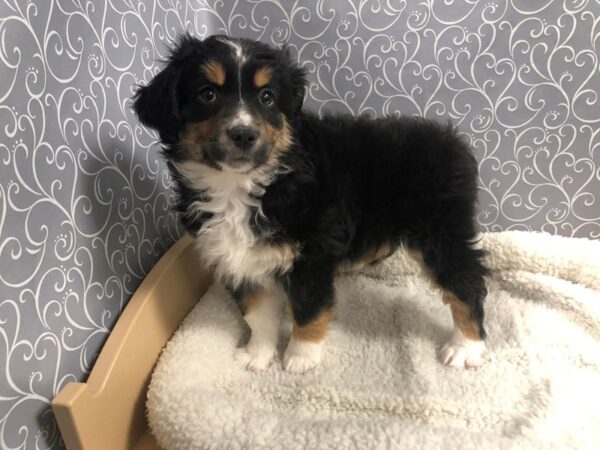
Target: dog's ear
<point>157,104</point>
<point>299,86</point>
<point>298,78</point>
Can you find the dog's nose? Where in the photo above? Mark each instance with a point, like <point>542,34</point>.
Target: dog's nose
<point>243,137</point>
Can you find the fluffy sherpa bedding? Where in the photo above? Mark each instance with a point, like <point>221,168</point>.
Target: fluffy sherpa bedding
<point>381,385</point>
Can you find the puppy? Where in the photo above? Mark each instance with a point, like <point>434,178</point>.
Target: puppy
<point>278,199</point>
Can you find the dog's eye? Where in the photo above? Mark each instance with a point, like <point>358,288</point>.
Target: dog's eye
<point>208,94</point>
<point>266,97</point>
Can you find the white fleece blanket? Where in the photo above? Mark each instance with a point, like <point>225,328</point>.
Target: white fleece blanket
<point>381,384</point>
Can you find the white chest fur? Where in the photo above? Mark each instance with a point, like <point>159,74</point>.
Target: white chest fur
<point>226,241</point>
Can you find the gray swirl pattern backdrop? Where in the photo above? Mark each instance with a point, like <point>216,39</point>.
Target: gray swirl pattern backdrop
<point>84,196</point>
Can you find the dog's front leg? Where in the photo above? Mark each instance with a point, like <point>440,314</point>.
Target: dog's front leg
<point>263,310</point>
<point>310,292</point>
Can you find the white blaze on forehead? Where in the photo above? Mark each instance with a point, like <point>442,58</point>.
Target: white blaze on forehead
<point>238,52</point>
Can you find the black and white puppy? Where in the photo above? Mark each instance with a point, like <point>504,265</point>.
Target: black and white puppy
<point>279,199</point>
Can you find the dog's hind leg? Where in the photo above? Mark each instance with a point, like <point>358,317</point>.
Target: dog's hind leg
<point>456,268</point>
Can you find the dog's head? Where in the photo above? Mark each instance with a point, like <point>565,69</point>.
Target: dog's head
<point>223,102</point>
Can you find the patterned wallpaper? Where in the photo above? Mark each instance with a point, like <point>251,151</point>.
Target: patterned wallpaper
<point>84,200</point>
<point>84,197</point>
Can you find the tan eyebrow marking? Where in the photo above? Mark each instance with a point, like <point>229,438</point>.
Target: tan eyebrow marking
<point>263,76</point>
<point>214,72</point>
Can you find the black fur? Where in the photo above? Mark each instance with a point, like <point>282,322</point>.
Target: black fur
<point>367,182</point>
<point>354,184</point>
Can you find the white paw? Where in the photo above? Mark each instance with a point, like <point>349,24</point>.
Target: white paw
<point>254,360</point>
<point>462,352</point>
<point>298,364</point>
<point>301,356</point>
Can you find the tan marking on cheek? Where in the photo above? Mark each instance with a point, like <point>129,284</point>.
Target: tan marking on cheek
<point>195,134</point>
<point>283,140</point>
<point>461,314</point>
<point>316,330</point>
<point>268,131</point>
<point>280,139</point>
<point>214,72</point>
<point>262,77</point>
<point>208,129</point>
